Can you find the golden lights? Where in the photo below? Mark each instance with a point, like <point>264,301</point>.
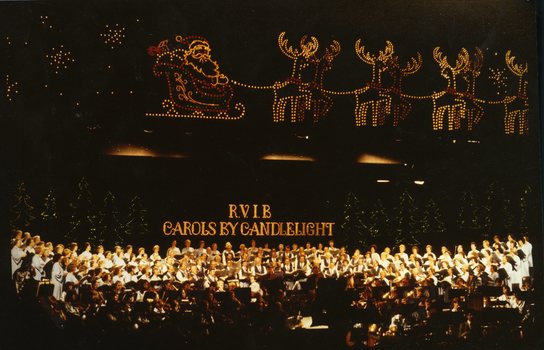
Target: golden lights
<point>196,87</point>
<point>59,59</point>
<point>140,151</point>
<point>113,36</point>
<point>288,157</point>
<point>366,158</point>
<point>295,95</point>
<point>302,96</point>
<point>377,102</point>
<point>449,103</point>
<point>11,88</point>
<point>499,79</point>
<point>516,107</point>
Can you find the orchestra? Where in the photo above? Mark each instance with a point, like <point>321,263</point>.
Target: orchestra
<point>394,290</point>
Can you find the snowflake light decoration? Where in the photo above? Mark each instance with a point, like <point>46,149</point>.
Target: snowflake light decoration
<point>113,36</point>
<point>59,59</point>
<point>11,88</point>
<point>499,79</point>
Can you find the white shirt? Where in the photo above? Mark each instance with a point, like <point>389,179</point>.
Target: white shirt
<point>528,250</point>
<point>70,277</point>
<point>57,273</point>
<point>86,255</point>
<point>117,261</point>
<point>175,250</point>
<point>255,287</point>
<point>17,255</point>
<point>38,263</point>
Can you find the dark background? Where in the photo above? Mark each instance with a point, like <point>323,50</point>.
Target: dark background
<point>49,142</point>
<point>52,142</point>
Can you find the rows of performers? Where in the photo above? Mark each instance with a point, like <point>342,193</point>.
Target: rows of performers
<point>494,263</point>
<point>81,282</point>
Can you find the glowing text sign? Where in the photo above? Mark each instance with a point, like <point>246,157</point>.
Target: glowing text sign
<point>248,220</point>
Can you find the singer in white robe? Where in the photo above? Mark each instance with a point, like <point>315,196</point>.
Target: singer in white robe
<point>17,255</point>
<point>57,278</point>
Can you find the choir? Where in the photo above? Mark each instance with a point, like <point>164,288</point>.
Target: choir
<point>86,279</point>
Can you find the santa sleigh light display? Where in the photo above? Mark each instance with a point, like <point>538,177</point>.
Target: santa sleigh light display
<point>196,87</point>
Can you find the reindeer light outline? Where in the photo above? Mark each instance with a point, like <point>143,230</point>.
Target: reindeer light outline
<point>449,101</point>
<point>376,99</point>
<point>400,105</point>
<point>293,92</point>
<point>516,107</point>
<point>321,101</point>
<point>474,111</point>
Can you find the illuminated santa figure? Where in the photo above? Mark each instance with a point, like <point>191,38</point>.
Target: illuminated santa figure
<point>195,84</point>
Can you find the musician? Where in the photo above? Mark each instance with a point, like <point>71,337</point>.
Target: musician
<point>344,268</point>
<point>129,253</point>
<point>374,254</point>
<point>415,255</point>
<point>359,265</point>
<point>289,254</point>
<point>460,257</point>
<point>220,287</point>
<point>528,250</point>
<point>244,273</point>
<point>17,255</point>
<point>327,260</point>
<point>385,257</point>
<point>445,256</point>
<point>71,274</point>
<point>397,261</point>
<point>173,250</point>
<point>429,253</point>
<point>241,253</point>
<point>289,270</point>
<point>402,254</point>
<point>255,287</point>
<point>214,252</point>
<point>141,253</point>
<point>403,275</point>
<point>330,271</point>
<point>455,305</point>
<point>57,275</point>
<point>228,253</point>
<point>211,278</point>
<point>266,252</point>
<point>381,280</point>
<point>170,274</point>
<point>302,268</point>
<point>273,257</point>
<point>39,260</point>
<point>332,249</point>
<point>231,270</point>
<point>260,269</point>
<point>524,264</point>
<point>486,248</point>
<point>308,248</point>
<point>156,275</point>
<point>200,250</point>
<point>505,271</point>
<point>467,329</point>
<point>506,296</point>
<point>131,274</point>
<point>118,258</point>
<point>155,256</point>
<point>86,254</point>
<point>417,273</point>
<point>516,273</point>
<point>28,246</point>
<point>498,244</point>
